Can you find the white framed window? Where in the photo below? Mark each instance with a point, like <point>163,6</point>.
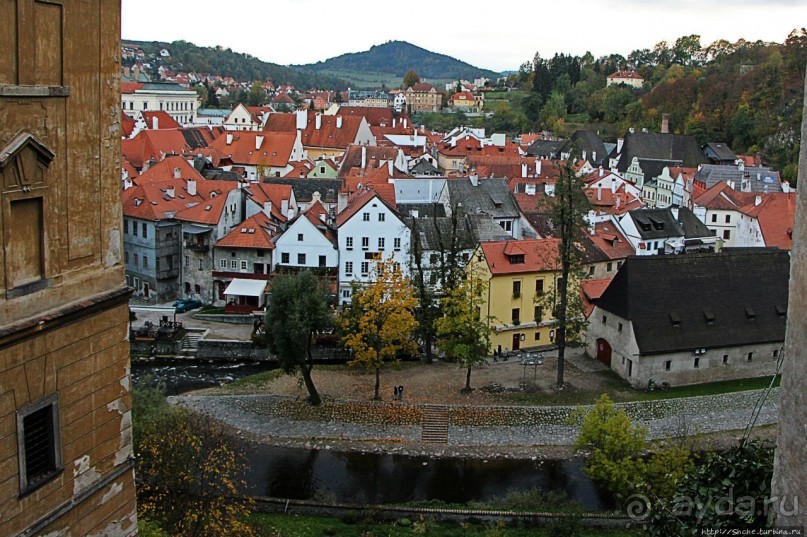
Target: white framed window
<point>381,217</point>
<point>223,263</point>
<point>233,264</point>
<point>299,237</point>
<point>365,217</point>
<point>365,268</point>
<point>349,268</point>
<point>380,243</point>
<point>349,243</point>
<point>365,243</point>
<point>396,243</point>
<point>301,259</point>
<point>243,265</point>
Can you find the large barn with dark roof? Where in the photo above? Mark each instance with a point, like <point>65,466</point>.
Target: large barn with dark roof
<point>694,318</point>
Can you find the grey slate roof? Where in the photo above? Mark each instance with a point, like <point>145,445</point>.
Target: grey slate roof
<point>423,210</point>
<point>719,151</point>
<point>759,179</point>
<point>471,229</point>
<point>691,225</point>
<point>491,196</point>
<point>676,148</point>
<point>424,167</point>
<point>304,188</point>
<point>592,144</point>
<point>656,223</point>
<point>546,149</point>
<point>744,292</point>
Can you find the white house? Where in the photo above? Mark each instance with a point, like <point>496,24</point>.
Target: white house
<point>180,103</point>
<point>369,229</point>
<point>247,118</point>
<point>308,242</point>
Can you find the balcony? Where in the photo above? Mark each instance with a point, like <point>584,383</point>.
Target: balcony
<point>197,246</point>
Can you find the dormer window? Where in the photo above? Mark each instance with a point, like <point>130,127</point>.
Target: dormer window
<point>516,259</point>
<point>780,311</point>
<point>709,316</point>
<point>676,320</point>
<point>750,314</point>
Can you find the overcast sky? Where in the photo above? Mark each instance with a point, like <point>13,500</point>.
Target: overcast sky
<point>497,35</point>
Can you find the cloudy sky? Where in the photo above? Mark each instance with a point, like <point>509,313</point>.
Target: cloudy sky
<point>497,35</point>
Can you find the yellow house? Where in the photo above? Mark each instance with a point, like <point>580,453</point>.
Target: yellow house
<point>521,279</point>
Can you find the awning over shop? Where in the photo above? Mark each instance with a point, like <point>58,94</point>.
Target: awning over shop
<point>196,230</point>
<point>239,287</point>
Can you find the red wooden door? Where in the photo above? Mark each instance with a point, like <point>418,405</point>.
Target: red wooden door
<point>604,352</point>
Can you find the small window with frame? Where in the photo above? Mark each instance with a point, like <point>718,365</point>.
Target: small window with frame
<point>38,443</point>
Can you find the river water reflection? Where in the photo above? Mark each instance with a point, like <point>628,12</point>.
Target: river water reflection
<point>305,474</point>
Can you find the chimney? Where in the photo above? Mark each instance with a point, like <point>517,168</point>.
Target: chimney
<point>258,141</point>
<point>284,207</point>
<point>394,120</point>
<point>757,200</point>
<point>537,167</point>
<point>405,122</point>
<point>619,143</point>
<point>590,220</point>
<point>613,184</point>
<point>267,208</point>
<point>631,130</point>
<point>318,121</point>
<point>618,202</point>
<point>593,157</point>
<point>474,179</point>
<point>584,155</point>
<point>229,139</point>
<point>155,122</point>
<point>599,192</point>
<point>177,174</point>
<point>602,172</point>
<point>523,170</point>
<point>302,119</point>
<point>665,123</point>
<point>363,157</point>
<point>191,187</point>
<point>389,167</point>
<point>170,191</point>
<point>338,122</point>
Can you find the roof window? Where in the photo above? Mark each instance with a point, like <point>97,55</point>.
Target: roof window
<point>749,312</point>
<point>709,315</point>
<point>675,319</point>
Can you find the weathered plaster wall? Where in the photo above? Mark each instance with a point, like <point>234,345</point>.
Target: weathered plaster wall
<point>790,469</point>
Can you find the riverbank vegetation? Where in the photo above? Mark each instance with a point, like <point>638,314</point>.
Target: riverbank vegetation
<point>277,525</point>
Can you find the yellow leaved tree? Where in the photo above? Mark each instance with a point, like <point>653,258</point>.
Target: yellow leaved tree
<point>379,323</point>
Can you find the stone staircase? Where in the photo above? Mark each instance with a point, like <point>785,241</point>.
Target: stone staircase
<point>435,424</point>
<point>190,341</point>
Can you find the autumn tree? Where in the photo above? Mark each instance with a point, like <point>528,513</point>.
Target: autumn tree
<point>567,211</point>
<point>298,309</point>
<point>380,323</point>
<point>463,332</point>
<point>189,470</point>
<point>410,79</point>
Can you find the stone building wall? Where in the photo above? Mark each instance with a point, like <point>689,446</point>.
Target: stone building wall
<point>65,420</point>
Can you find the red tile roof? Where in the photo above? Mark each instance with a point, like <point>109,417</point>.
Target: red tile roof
<point>153,145</point>
<point>373,156</point>
<point>166,169</point>
<point>130,87</point>
<point>590,291</point>
<point>127,125</point>
<point>257,231</point>
<point>281,122</point>
<point>274,150</point>
<point>375,116</point>
<point>626,74</point>
<point>423,88</point>
<point>776,215</point>
<point>164,120</point>
<point>540,255</point>
<point>328,135</point>
<point>610,241</point>
<point>362,197</point>
<point>276,194</point>
<point>152,200</point>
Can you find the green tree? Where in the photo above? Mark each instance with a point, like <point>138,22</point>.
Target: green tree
<point>380,322</point>
<point>464,335</point>
<point>567,211</point>
<point>256,95</point>
<point>553,113</point>
<point>298,309</point>
<point>612,444</point>
<point>410,79</point>
<point>189,470</point>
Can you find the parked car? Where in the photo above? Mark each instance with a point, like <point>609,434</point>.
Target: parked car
<point>187,304</point>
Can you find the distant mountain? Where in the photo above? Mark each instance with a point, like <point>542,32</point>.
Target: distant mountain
<point>395,58</point>
<point>224,62</point>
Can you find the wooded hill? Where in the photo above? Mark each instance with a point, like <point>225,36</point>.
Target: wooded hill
<point>225,62</point>
<point>395,58</point>
<point>748,95</point>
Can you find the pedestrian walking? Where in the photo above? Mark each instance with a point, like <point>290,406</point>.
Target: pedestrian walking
<point>400,391</point>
